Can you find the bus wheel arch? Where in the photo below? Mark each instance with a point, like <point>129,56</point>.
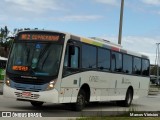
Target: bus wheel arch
<point>128,98</point>
<point>132,90</point>
<point>83,97</point>
<point>85,87</point>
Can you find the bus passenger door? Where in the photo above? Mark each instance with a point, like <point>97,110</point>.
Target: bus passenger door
<point>70,74</point>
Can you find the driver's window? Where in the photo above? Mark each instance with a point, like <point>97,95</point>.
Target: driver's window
<point>74,59</point>
<point>71,60</point>
<point>71,57</point>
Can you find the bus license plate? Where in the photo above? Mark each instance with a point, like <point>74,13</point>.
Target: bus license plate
<point>26,94</point>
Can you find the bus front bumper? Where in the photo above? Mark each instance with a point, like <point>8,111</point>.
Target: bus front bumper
<point>45,96</point>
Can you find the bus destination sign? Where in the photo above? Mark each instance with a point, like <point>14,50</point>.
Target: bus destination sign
<point>20,68</point>
<point>42,37</point>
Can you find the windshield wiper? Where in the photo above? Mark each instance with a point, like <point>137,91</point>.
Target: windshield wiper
<point>27,52</point>
<point>45,59</point>
<point>44,51</point>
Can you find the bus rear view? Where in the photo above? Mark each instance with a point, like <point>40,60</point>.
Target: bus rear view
<point>33,67</point>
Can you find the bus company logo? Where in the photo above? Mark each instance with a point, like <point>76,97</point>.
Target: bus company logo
<point>20,114</point>
<point>93,78</point>
<point>6,114</point>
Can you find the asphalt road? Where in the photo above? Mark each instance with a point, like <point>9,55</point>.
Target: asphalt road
<point>149,103</point>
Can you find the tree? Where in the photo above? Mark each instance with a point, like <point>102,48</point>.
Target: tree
<point>5,41</point>
<point>3,34</point>
<point>153,70</point>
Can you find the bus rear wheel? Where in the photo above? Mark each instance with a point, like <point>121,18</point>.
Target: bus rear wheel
<point>81,101</point>
<point>128,100</point>
<point>36,103</point>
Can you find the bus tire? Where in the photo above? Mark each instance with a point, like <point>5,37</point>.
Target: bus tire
<point>128,99</point>
<point>81,100</point>
<point>36,103</point>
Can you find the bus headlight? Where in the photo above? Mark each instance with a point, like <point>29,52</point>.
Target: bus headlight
<point>51,85</point>
<point>7,80</point>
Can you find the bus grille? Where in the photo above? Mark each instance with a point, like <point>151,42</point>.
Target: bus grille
<point>33,96</point>
<point>29,81</point>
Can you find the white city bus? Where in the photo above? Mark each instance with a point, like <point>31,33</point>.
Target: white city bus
<point>57,67</point>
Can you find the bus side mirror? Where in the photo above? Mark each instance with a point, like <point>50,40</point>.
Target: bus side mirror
<point>71,50</point>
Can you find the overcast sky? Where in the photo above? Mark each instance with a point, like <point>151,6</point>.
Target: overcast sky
<point>90,18</point>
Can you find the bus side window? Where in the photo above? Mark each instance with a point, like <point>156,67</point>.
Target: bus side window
<point>127,64</point>
<point>71,60</point>
<point>116,60</point>
<point>103,59</point>
<point>2,64</point>
<point>137,66</point>
<point>73,57</point>
<point>145,67</point>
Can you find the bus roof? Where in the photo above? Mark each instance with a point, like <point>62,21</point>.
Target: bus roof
<point>107,44</point>
<point>95,41</point>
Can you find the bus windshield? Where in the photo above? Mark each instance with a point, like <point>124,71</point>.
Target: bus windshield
<point>35,59</point>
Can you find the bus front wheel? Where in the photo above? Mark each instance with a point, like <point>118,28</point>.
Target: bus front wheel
<point>36,103</point>
<point>81,100</point>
